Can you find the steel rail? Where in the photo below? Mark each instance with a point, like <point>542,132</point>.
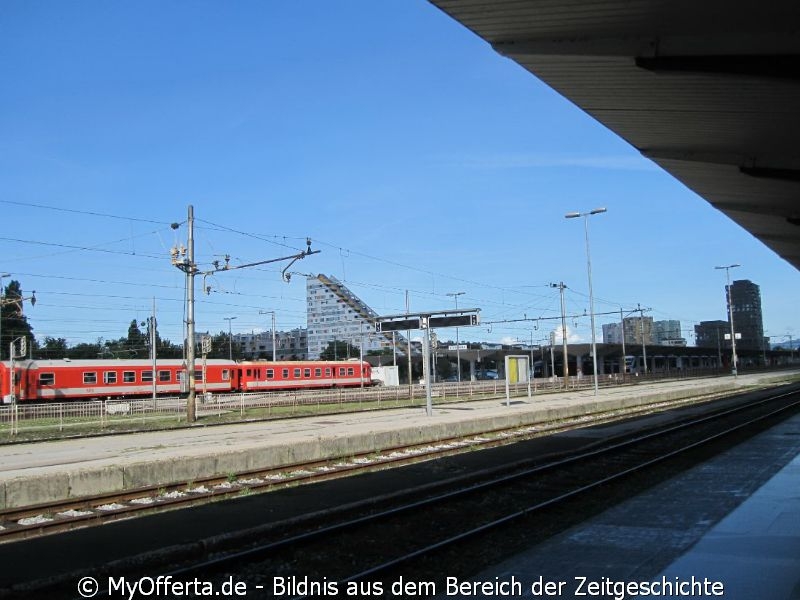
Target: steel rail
<point>261,551</point>
<point>160,494</point>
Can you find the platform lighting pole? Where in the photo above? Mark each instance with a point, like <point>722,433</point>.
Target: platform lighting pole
<point>230,337</point>
<point>410,364</point>
<point>2,297</point>
<point>274,347</point>
<point>561,287</point>
<point>361,352</point>
<point>426,368</point>
<point>153,349</point>
<point>455,296</point>
<point>623,365</point>
<point>734,369</point>
<point>641,326</point>
<point>586,216</point>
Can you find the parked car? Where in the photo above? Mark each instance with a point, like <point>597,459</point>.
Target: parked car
<point>489,374</point>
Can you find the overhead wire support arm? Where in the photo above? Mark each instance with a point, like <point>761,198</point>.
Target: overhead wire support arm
<point>184,259</point>
<point>575,316</point>
<point>284,275</point>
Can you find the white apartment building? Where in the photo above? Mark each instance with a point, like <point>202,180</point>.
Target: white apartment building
<point>334,313</point>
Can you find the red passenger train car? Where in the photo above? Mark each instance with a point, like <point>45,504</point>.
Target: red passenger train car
<point>55,380</point>
<point>290,375</point>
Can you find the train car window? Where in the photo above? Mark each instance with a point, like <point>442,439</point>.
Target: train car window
<point>198,375</point>
<point>47,378</point>
<point>317,372</point>
<point>285,373</point>
<point>129,376</point>
<point>165,376</point>
<point>297,373</point>
<point>109,377</point>
<point>248,372</point>
<point>327,371</point>
<point>258,373</point>
<point>342,372</point>
<point>226,374</point>
<point>350,371</point>
<point>147,376</point>
<point>270,373</point>
<point>90,377</point>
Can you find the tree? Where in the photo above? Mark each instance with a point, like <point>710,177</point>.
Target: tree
<point>84,350</point>
<point>14,322</point>
<point>339,350</point>
<point>54,348</point>
<point>166,349</point>
<point>381,352</point>
<point>135,346</point>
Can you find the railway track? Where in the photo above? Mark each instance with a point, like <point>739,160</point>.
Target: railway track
<point>465,524</point>
<point>31,521</point>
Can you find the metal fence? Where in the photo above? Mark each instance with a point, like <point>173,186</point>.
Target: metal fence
<point>52,419</point>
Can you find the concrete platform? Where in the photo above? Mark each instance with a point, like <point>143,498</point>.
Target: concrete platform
<point>755,550</point>
<point>47,471</point>
<point>733,521</point>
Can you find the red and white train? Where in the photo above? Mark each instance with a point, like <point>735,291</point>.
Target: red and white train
<point>56,380</point>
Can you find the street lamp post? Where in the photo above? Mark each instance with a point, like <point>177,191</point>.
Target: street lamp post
<point>274,347</point>
<point>734,370</point>
<point>573,215</point>
<point>455,296</point>
<point>230,337</point>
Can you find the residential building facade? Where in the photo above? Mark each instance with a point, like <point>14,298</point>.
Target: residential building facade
<point>290,345</point>
<point>668,333</point>
<point>612,333</point>
<point>711,334</point>
<point>334,313</point>
<point>638,330</point>
<point>745,298</point>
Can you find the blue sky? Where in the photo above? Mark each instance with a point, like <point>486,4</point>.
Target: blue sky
<point>413,156</point>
